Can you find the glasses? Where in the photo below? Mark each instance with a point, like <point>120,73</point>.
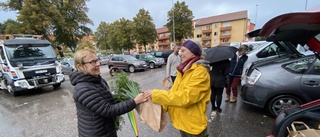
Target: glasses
<point>93,62</point>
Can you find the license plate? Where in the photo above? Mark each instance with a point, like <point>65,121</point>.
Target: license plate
<point>41,71</point>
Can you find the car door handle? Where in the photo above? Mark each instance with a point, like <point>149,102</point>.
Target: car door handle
<point>311,83</point>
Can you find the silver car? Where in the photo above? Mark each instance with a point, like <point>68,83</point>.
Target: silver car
<point>127,63</point>
<point>290,79</point>
<point>67,66</point>
<point>283,83</point>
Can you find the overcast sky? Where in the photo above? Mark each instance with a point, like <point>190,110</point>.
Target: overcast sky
<point>259,11</point>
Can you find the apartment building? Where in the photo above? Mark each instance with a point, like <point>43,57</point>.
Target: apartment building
<point>223,29</point>
<point>213,31</point>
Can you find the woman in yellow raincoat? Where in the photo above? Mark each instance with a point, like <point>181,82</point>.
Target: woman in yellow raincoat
<point>187,100</point>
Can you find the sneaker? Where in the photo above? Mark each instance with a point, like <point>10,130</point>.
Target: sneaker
<point>233,99</point>
<point>227,98</point>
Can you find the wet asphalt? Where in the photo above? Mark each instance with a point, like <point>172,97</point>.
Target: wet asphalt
<point>49,112</point>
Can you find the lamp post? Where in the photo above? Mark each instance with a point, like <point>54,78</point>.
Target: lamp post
<point>305,7</point>
<point>174,39</point>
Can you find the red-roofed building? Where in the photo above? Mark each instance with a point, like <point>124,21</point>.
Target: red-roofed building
<point>212,31</point>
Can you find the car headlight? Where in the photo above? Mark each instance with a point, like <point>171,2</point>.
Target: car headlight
<point>253,78</point>
<point>136,63</point>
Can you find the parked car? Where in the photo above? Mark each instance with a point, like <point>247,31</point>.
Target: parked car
<point>104,60</point>
<point>291,80</point>
<point>162,54</point>
<point>152,61</point>
<point>308,113</point>
<point>127,63</point>
<point>269,50</point>
<point>67,66</point>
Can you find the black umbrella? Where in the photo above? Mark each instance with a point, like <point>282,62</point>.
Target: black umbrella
<point>220,53</point>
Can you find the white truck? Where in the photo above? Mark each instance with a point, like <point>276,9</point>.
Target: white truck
<point>28,63</point>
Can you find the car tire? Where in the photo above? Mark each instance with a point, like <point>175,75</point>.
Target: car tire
<point>152,65</point>
<point>55,86</point>
<point>160,66</point>
<point>131,69</point>
<point>279,103</point>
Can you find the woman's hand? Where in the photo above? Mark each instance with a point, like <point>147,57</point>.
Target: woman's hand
<point>140,98</point>
<point>148,93</point>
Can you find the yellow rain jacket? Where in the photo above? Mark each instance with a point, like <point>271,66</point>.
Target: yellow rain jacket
<point>186,102</point>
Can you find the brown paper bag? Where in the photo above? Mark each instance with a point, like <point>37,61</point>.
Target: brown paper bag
<point>307,132</point>
<point>166,83</point>
<point>152,115</point>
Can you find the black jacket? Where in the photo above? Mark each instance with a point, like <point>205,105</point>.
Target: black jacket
<point>218,73</point>
<point>236,65</point>
<point>96,107</point>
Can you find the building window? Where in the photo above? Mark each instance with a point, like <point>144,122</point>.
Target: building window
<point>226,24</point>
<point>215,41</point>
<point>208,42</point>
<point>216,25</point>
<point>227,32</point>
<point>207,35</point>
<point>208,27</point>
<point>199,35</point>
<point>225,40</point>
<point>198,28</point>
<point>215,34</point>
<point>161,35</point>
<point>168,34</point>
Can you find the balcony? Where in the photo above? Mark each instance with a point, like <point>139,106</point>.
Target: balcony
<point>225,28</point>
<point>163,48</point>
<point>225,36</point>
<point>163,38</point>
<point>206,38</point>
<point>206,31</point>
<point>163,43</point>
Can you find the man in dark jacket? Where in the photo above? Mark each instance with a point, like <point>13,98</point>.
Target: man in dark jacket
<point>235,73</point>
<point>96,107</point>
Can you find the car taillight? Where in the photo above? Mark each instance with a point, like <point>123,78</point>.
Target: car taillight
<point>253,78</point>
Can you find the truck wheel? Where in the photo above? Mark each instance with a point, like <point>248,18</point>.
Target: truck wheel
<point>151,65</point>
<point>56,85</point>
<point>131,69</point>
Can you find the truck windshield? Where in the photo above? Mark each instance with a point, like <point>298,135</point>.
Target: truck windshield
<point>29,51</point>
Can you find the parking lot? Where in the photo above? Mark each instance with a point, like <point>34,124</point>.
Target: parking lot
<point>52,113</point>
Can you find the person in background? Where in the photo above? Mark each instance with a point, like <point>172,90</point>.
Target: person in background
<point>218,78</point>
<point>186,101</point>
<point>96,107</point>
<point>172,63</point>
<point>235,73</point>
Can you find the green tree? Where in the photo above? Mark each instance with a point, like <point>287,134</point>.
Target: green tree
<point>144,29</point>
<point>65,20</point>
<point>10,27</point>
<point>100,36</point>
<point>121,35</point>
<point>86,44</point>
<point>258,38</point>
<point>182,21</point>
